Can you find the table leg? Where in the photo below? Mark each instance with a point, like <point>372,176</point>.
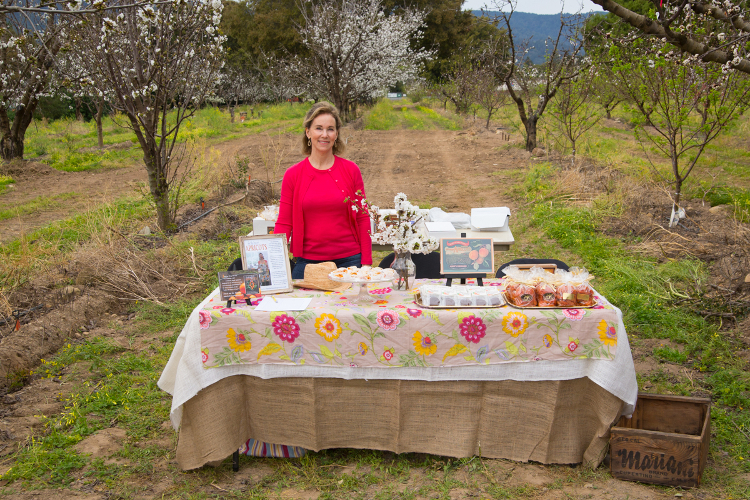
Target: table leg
<point>236,461</point>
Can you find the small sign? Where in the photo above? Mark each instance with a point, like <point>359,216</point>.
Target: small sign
<point>239,285</point>
<point>466,256</point>
<point>267,254</point>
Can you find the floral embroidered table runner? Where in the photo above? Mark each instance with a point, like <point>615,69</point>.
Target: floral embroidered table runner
<point>395,332</point>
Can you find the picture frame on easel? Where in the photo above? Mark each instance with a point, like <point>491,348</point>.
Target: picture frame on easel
<point>268,254</point>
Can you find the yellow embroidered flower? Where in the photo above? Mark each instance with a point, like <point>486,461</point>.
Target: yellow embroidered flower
<point>328,327</point>
<point>515,323</point>
<point>424,344</point>
<point>362,348</point>
<point>238,342</point>
<point>607,334</point>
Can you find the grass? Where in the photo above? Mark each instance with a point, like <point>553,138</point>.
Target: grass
<point>38,204</point>
<point>71,146</point>
<point>647,291</point>
<point>394,115</point>
<point>105,384</point>
<point>5,181</point>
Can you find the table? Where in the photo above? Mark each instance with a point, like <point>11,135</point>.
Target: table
<point>551,411</point>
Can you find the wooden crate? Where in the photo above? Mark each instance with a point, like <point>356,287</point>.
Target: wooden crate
<point>666,441</point>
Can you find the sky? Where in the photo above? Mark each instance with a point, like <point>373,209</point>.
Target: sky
<point>538,6</point>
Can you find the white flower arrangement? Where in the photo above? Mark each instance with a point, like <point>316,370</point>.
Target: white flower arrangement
<point>405,230</point>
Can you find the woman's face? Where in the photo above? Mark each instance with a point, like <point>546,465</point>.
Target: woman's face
<point>322,133</point>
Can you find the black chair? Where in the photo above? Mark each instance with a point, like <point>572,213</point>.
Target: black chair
<point>236,265</point>
<point>428,265</point>
<point>560,264</point>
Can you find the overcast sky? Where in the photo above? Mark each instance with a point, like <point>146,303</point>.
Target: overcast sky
<point>538,6</point>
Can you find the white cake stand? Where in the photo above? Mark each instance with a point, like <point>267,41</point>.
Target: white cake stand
<point>363,297</point>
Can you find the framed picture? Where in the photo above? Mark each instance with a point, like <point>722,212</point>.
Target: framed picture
<point>466,256</point>
<point>236,285</point>
<point>268,254</point>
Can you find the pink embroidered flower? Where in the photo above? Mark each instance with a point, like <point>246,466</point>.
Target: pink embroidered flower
<point>285,327</point>
<point>204,354</point>
<point>574,314</point>
<point>472,328</point>
<point>388,354</point>
<point>382,291</point>
<point>352,365</point>
<point>205,319</point>
<point>228,310</point>
<point>255,302</point>
<point>536,358</point>
<point>572,346</point>
<point>218,307</point>
<point>388,320</point>
<point>414,313</point>
<point>400,307</point>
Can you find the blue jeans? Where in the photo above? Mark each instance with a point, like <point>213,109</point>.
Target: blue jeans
<point>299,267</point>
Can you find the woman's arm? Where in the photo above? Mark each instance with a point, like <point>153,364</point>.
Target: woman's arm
<point>286,202</point>
<point>363,223</point>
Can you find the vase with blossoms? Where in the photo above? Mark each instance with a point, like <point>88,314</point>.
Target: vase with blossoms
<point>405,271</point>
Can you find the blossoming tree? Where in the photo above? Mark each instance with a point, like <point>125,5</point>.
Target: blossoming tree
<point>159,62</point>
<point>689,103</point>
<point>715,31</point>
<point>356,51</point>
<point>29,42</point>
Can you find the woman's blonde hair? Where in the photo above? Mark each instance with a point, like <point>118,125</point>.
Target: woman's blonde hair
<point>322,108</point>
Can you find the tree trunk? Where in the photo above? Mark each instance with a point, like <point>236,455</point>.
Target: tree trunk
<point>530,126</point>
<point>11,143</point>
<point>489,115</point>
<point>79,115</point>
<point>98,119</point>
<point>159,188</point>
<point>231,111</point>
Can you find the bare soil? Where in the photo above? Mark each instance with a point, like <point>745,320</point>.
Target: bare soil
<point>453,170</point>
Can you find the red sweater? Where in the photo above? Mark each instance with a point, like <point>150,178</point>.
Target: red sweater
<point>322,225</point>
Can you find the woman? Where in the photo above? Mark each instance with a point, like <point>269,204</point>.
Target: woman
<point>312,211</point>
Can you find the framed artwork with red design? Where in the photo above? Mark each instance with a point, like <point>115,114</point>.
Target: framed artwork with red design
<point>466,256</point>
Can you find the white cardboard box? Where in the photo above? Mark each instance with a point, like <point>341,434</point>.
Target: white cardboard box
<point>441,229</point>
<point>490,218</point>
<point>262,226</point>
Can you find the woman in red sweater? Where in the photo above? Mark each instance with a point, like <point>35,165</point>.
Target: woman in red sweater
<point>312,211</point>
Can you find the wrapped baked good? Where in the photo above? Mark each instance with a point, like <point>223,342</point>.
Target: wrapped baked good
<point>565,290</point>
<point>523,295</point>
<point>545,294</point>
<point>493,296</point>
<point>583,292</point>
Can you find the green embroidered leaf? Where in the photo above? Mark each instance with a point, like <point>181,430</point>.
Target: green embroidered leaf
<point>274,314</point>
<point>373,317</point>
<point>337,353</point>
<point>216,316</point>
<point>566,325</point>
<point>269,349</point>
<point>548,314</point>
<point>433,316</point>
<point>511,348</point>
<point>455,350</point>
<point>464,314</point>
<point>284,356</point>
<point>469,358</point>
<point>522,348</point>
<point>326,351</point>
<point>403,316</point>
<point>361,320</point>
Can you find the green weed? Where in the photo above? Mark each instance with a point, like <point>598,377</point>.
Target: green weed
<point>38,204</point>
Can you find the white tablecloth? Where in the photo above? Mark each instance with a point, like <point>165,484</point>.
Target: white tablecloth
<point>184,376</point>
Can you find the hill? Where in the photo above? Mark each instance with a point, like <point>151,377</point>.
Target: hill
<point>537,27</point>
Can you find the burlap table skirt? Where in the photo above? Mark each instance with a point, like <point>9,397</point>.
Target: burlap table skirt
<point>562,422</point>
